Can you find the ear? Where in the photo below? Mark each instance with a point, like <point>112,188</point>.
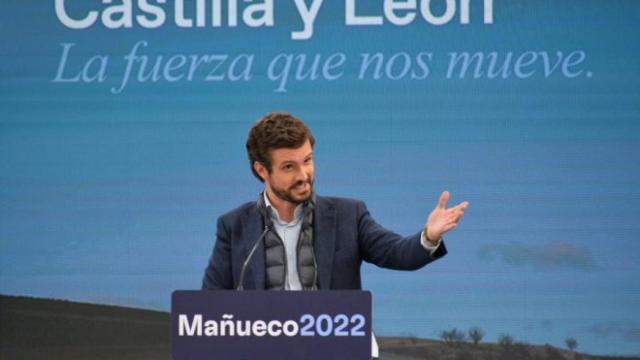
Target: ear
<point>261,170</point>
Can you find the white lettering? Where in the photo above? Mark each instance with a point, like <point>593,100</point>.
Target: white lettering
<point>210,328</point>
<point>352,19</point>
<point>283,74</point>
<point>568,63</point>
<point>233,12</point>
<point>422,65</point>
<point>487,16</point>
<point>200,6</point>
<point>99,74</point>
<point>157,12</point>
<point>93,70</point>
<point>522,62</point>
<point>405,65</point>
<point>179,15</point>
<point>259,328</point>
<point>123,11</point>
<point>190,330</point>
<point>488,11</point>
<point>367,60</point>
<point>290,328</point>
<point>330,65</point>
<point>494,70</point>
<point>152,14</point>
<point>274,328</point>
<point>174,63</point>
<point>130,58</point>
<point>246,331</point>
<point>216,13</point>
<point>450,11</point>
<point>397,66</point>
<point>466,61</point>
<point>390,7</point>
<point>220,60</point>
<point>67,21</point>
<point>494,65</point>
<point>245,74</point>
<point>227,326</point>
<point>63,64</point>
<point>266,19</point>
<point>308,16</point>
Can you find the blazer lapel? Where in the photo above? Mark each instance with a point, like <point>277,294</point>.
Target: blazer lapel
<point>253,226</point>
<point>324,240</point>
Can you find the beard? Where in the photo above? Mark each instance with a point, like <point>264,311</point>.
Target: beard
<point>292,194</point>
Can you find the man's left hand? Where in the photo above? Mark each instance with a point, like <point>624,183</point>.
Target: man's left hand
<point>441,219</point>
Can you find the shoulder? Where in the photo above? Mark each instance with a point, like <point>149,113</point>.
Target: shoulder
<point>340,203</point>
<point>240,212</point>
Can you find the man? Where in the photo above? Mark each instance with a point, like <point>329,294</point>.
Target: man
<point>307,241</point>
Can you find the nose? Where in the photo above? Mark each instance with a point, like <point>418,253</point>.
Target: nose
<point>302,175</point>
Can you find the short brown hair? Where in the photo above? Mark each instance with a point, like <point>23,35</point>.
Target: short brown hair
<point>275,130</point>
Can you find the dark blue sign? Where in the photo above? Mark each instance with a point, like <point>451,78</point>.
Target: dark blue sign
<point>281,325</point>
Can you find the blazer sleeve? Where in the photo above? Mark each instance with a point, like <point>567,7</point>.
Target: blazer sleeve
<point>387,249</point>
<point>218,273</point>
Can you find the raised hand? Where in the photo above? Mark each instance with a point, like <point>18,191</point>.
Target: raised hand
<point>441,219</point>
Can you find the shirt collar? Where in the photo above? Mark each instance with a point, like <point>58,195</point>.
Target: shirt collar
<point>273,212</point>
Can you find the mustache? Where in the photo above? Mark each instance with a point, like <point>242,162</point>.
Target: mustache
<point>310,182</point>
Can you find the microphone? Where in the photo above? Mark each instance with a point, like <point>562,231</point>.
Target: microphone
<point>246,262</point>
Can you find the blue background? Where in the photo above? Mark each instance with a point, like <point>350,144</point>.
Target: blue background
<point>113,198</point>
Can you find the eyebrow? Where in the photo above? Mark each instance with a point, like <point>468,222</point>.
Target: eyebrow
<point>293,161</point>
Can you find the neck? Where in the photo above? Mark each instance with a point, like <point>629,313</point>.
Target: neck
<point>284,208</point>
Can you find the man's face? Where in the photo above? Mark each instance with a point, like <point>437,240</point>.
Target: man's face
<point>291,176</point>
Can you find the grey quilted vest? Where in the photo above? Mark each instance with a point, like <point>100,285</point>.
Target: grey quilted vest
<point>275,258</point>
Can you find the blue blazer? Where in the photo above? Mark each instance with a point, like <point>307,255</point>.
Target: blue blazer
<point>345,234</point>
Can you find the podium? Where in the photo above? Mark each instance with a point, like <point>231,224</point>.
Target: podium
<point>282,325</point>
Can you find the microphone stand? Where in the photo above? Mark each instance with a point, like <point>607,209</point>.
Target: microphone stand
<point>246,262</point>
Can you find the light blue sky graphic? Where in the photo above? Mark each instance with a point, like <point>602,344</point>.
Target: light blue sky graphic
<point>113,198</point>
